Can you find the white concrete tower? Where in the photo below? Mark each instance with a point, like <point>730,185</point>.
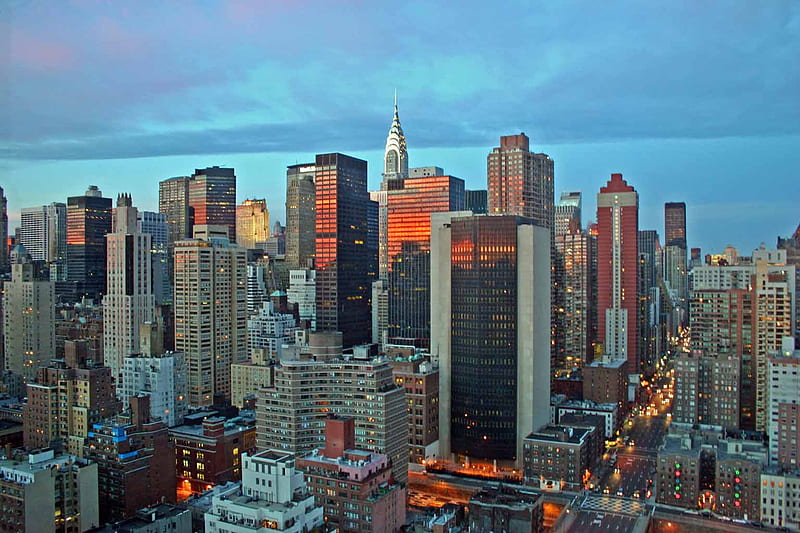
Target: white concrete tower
<point>130,301</point>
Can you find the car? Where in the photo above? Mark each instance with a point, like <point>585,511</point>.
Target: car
<point>637,494</point>
<point>620,493</point>
<point>616,470</point>
<point>606,491</point>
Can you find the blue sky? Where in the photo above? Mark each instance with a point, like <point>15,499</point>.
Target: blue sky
<point>691,101</point>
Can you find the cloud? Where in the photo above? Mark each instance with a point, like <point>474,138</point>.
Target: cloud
<point>112,80</point>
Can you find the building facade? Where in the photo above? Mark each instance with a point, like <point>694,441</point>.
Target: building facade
<point>252,224</point>
<point>210,314</point>
<point>212,197</point>
<point>301,211</point>
<point>342,257</point>
<point>88,222</point>
<point>490,295</point>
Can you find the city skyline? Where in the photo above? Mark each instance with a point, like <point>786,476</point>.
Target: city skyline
<point>146,106</point>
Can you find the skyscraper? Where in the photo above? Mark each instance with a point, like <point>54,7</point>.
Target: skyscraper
<point>300,215</point>
<point>342,256</point>
<point>252,223</point>
<point>3,231</point>
<point>477,201</point>
<point>173,202</point>
<point>212,196</point>
<point>574,305</point>
<point>408,251</point>
<point>130,301</point>
<point>88,221</point>
<point>568,212</point>
<point>395,161</point>
<point>28,320</point>
<point>43,232</point>
<point>210,312</point>
<point>675,224</point>
<point>649,297</point>
<point>520,181</point>
<point>617,258</point>
<point>156,225</point>
<point>490,298</point>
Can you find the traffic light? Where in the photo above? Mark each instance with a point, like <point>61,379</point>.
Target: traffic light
<point>677,479</point>
<point>737,488</point>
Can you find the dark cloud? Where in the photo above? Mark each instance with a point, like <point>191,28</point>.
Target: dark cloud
<point>98,81</point>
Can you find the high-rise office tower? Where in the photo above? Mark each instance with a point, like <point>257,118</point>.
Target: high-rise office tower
<point>395,160</point>
<point>675,224</point>
<point>301,210</point>
<point>43,233</point>
<point>408,251</point>
<point>28,320</point>
<point>212,196</point>
<point>3,231</point>
<point>617,272</point>
<point>156,225</point>
<point>477,201</point>
<point>173,202</point>
<point>130,301</point>
<point>568,210</point>
<point>649,297</point>
<point>342,256</point>
<point>490,330</point>
<point>520,181</point>
<point>88,221</point>
<point>252,223</point>
<point>574,304</point>
<point>382,199</point>
<point>210,311</point>
<point>783,395</point>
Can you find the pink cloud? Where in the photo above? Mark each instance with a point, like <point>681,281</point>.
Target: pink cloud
<point>29,51</point>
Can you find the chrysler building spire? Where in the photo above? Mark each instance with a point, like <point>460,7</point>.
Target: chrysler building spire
<point>395,157</point>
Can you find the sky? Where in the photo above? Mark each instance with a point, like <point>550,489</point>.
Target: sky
<point>691,101</point>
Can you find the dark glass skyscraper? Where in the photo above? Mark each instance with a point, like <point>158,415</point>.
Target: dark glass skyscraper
<point>212,195</point>
<point>675,224</point>
<point>477,201</point>
<point>343,257</point>
<point>410,204</point>
<point>490,299</point>
<point>88,221</point>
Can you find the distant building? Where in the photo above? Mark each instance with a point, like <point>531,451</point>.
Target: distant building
<point>252,223</point>
<point>28,320</point>
<point>568,212</point>
<point>363,389</point>
<point>367,497</point>
<point>779,496</point>
<point>64,404</point>
<point>477,201</point>
<point>43,232</point>
<point>269,329</point>
<point>251,376</point>
<point>342,255</point>
<point>300,215</point>
<point>707,390</point>
<point>608,411</point>
<point>157,519</point>
<point>303,293</point>
<point>212,197</point>
<point>156,225</point>
<point>135,461</point>
<point>783,376</point>
<point>606,381</point>
<point>421,382</point>
<point>273,497</point>
<point>209,453</point>
<point>558,454</point>
<point>88,222</point>
<point>506,509</point>
<point>48,493</point>
<point>210,295</point>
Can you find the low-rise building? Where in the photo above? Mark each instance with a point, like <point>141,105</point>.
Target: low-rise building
<point>606,381</point>
<point>355,487</point>
<point>780,499</point>
<point>558,455</point>
<point>161,518</point>
<point>47,492</point>
<point>506,509</point>
<point>609,412</point>
<point>273,498</point>
<point>210,453</point>
<point>135,461</point>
